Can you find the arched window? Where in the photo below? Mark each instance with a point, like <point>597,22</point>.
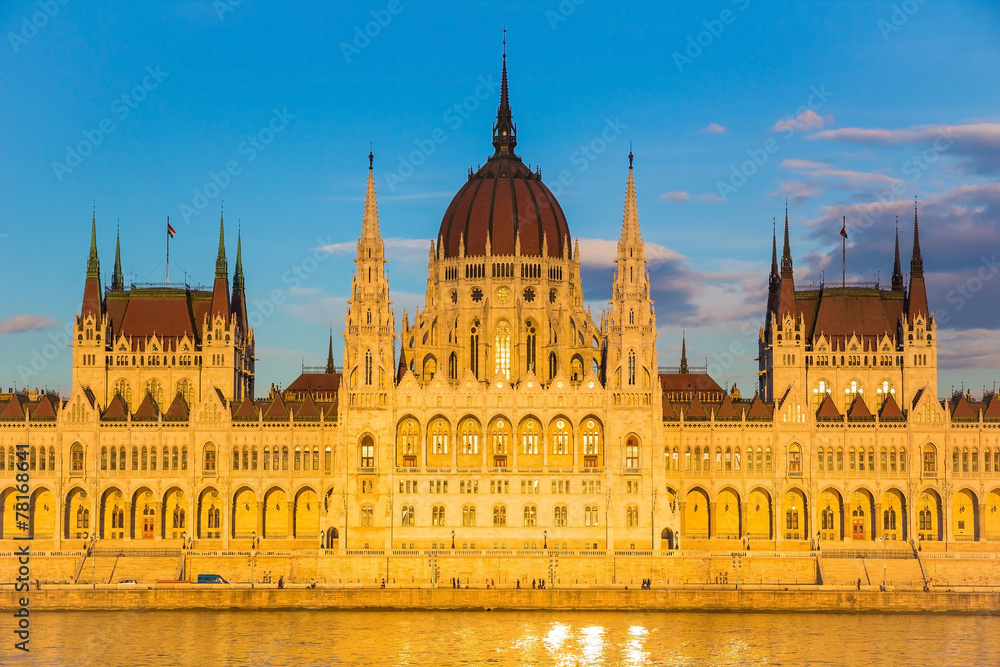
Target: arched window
<point>767,459</point>
<point>236,458</point>
<point>470,436</point>
<point>500,437</point>
<point>530,435</point>
<point>145,458</point>
<point>530,347</point>
<point>367,452</point>
<point>760,459</point>
<point>469,515</point>
<point>155,390</point>
<point>437,515</point>
<point>328,459</point>
<point>368,516</point>
<point>368,367</point>
<point>631,367</point>
<point>840,459</point>
<point>590,515</point>
<point>430,367</point>
<point>530,515</point>
<point>562,439</point>
<point>208,463</point>
<point>930,458</point>
<point>297,461</point>
<point>184,457</point>
<point>591,437</point>
<point>124,389</point>
<point>104,457</point>
<point>827,519</point>
<point>560,516</point>
<point>821,460</point>
<point>632,516</point>
<point>821,389</point>
<point>439,436</point>
<point>135,458</point>
<point>474,349</point>
<point>632,452</point>
<point>884,390</point>
<point>452,366</point>
<point>852,390</point>
<point>889,519</point>
<point>954,459</point>
<point>500,515</point>
<point>253,458</point>
<point>795,459</point>
<point>975,459</point>
<point>246,459</point>
<point>552,365</point>
<point>501,348</point>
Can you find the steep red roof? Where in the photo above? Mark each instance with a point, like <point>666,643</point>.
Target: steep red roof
<point>828,409</point>
<point>890,410</point>
<point>277,409</point>
<point>696,410</point>
<point>840,312</point>
<point>962,410</point>
<point>117,409</point>
<point>13,410</point>
<point>315,382</point>
<point>992,411</point>
<point>168,312</point>
<point>688,382</point>
<point>148,410</point>
<point>178,409</point>
<point>859,410</point>
<point>307,410</point>
<point>245,410</point>
<point>668,410</point>
<point>760,410</point>
<point>727,410</point>
<point>44,409</point>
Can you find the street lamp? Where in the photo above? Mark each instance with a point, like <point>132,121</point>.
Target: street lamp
<point>253,539</point>
<point>252,562</point>
<point>183,539</point>
<point>453,539</point>
<point>885,536</point>
<point>545,538</point>
<point>737,560</point>
<point>93,552</point>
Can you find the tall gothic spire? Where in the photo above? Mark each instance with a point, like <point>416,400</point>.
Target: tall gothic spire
<point>786,253</point>
<point>917,296</point>
<point>684,355</point>
<point>329,355</point>
<point>786,303</point>
<point>117,280</point>
<point>221,267</point>
<point>774,279</point>
<point>897,269</point>
<point>630,221</point>
<point>93,263</point>
<point>369,224</point>
<point>238,281</point>
<point>504,131</point>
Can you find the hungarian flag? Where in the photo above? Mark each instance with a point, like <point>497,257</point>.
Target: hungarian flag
<point>843,230</point>
<point>171,232</point>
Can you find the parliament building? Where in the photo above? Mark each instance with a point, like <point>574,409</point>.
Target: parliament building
<point>504,415</point>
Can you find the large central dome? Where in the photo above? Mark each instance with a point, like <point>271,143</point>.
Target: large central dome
<point>504,202</point>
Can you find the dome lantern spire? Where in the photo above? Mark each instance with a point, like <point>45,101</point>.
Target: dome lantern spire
<point>504,131</point>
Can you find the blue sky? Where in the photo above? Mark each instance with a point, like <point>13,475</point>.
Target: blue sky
<point>731,106</point>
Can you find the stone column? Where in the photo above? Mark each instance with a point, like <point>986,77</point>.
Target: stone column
<point>130,519</point>
<point>227,517</point>
<point>260,518</point>
<point>744,517</point>
<point>878,527</point>
<point>713,529</point>
<point>291,518</point>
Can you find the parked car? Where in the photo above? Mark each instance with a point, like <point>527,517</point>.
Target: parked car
<point>127,583</point>
<point>211,579</point>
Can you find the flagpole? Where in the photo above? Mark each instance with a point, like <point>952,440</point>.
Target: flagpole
<point>168,251</point>
<point>843,277</point>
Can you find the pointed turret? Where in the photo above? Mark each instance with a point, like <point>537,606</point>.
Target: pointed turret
<point>239,303</point>
<point>504,131</point>
<point>684,355</point>
<point>775,278</point>
<point>786,304</point>
<point>220,290</point>
<point>92,301</point>
<point>329,355</point>
<point>917,297</point>
<point>897,269</point>
<point>117,280</point>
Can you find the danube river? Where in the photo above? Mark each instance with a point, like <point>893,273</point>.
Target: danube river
<point>505,638</point>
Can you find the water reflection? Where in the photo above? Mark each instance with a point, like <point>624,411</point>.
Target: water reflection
<point>568,639</point>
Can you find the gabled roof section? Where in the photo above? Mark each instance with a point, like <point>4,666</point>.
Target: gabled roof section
<point>859,410</point>
<point>759,410</point>
<point>117,409</point>
<point>308,409</point>
<point>13,410</point>
<point>148,410</point>
<point>828,410</point>
<point>992,411</point>
<point>245,410</point>
<point>43,410</point>
<point>668,410</point>
<point>962,410</point>
<point>696,411</point>
<point>178,410</point>
<point>315,383</point>
<point>277,409</point>
<point>890,410</point>
<point>727,410</point>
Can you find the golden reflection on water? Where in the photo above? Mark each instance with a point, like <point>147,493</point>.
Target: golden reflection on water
<point>566,639</point>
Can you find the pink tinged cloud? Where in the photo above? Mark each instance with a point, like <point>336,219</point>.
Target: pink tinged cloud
<point>676,197</point>
<point>710,198</point>
<point>985,134</point>
<point>807,120</point>
<point>26,322</point>
<point>714,128</point>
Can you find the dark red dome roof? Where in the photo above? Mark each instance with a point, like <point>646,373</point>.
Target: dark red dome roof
<point>502,201</point>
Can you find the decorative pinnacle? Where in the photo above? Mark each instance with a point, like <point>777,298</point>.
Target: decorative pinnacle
<point>371,157</point>
<point>221,267</point>
<point>93,263</point>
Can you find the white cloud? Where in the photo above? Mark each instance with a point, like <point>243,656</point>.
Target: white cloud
<point>713,128</point>
<point>807,120</point>
<point>601,253</point>
<point>675,196</point>
<point>26,322</point>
